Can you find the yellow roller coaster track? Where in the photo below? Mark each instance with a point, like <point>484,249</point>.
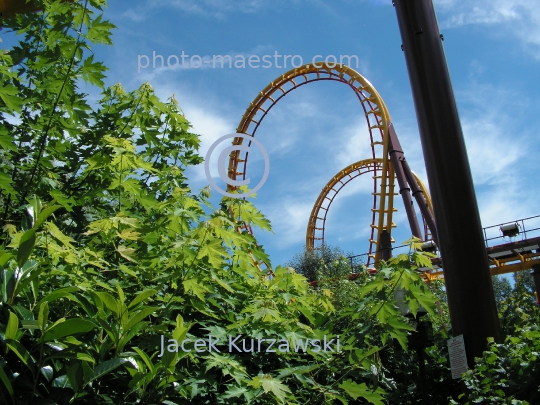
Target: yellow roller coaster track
<point>377,119</point>
<point>317,219</point>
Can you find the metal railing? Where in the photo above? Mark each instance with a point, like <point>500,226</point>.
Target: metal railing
<point>528,228</point>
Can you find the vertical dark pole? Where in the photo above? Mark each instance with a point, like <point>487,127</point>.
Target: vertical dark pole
<point>386,245</point>
<point>422,370</point>
<point>536,277</point>
<point>466,271</point>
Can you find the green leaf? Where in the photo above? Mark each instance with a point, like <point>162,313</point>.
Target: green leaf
<point>109,301</point>
<point>43,215</point>
<point>12,326</point>
<point>6,142</point>
<point>139,316</point>
<point>236,392</point>
<point>26,245</point>
<point>30,271</point>
<point>214,251</point>
<point>4,258</point>
<point>61,293</point>
<point>100,31</point>
<point>6,382</point>
<point>272,385</point>
<point>181,330</point>
<point>43,316</point>
<point>121,295</point>
<point>361,390</point>
<point>146,359</point>
<point>6,184</point>
<point>10,96</point>
<point>8,285</point>
<point>106,367</point>
<point>92,72</point>
<point>127,253</point>
<point>143,295</point>
<point>21,353</point>
<point>69,327</point>
<point>61,199</point>
<point>195,287</point>
<point>422,260</point>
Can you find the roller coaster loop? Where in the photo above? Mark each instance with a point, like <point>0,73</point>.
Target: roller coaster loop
<point>386,163</point>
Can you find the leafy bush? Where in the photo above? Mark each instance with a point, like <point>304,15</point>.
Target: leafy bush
<point>325,262</point>
<point>507,373</point>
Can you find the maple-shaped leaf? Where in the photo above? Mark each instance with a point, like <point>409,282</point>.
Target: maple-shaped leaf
<point>422,260</point>
<point>361,390</point>
<point>127,253</point>
<point>235,392</point>
<point>214,251</point>
<point>267,315</point>
<point>92,72</point>
<point>129,234</point>
<point>195,287</point>
<point>249,214</point>
<point>230,236</point>
<point>272,385</point>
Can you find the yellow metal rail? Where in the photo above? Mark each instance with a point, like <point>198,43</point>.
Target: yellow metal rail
<point>377,120</point>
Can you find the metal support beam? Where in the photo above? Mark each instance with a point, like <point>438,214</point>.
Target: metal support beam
<point>386,245</point>
<point>396,156</point>
<point>420,200</point>
<point>536,276</point>
<point>472,304</point>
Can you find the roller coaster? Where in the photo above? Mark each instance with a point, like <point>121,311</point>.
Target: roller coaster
<point>386,164</point>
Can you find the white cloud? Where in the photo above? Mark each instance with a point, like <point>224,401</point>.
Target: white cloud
<point>499,143</point>
<point>355,144</point>
<point>208,8</point>
<point>493,144</point>
<point>518,18</point>
<point>217,8</point>
<point>508,202</point>
<point>289,219</point>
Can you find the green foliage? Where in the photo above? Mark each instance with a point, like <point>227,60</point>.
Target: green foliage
<point>519,308</point>
<point>502,290</point>
<point>507,373</point>
<point>326,262</point>
<point>396,369</point>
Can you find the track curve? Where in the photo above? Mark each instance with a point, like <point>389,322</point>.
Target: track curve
<point>377,119</point>
<point>317,219</point>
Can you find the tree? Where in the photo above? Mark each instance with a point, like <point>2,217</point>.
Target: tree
<point>326,261</point>
<point>525,279</point>
<point>502,290</point>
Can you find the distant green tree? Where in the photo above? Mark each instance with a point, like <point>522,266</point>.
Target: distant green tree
<point>525,279</point>
<point>502,289</point>
<point>326,261</point>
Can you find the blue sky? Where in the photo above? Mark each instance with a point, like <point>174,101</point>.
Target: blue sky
<point>493,52</point>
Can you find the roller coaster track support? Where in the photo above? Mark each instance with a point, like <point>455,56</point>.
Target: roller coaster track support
<point>536,276</point>
<point>472,304</point>
<point>407,183</point>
